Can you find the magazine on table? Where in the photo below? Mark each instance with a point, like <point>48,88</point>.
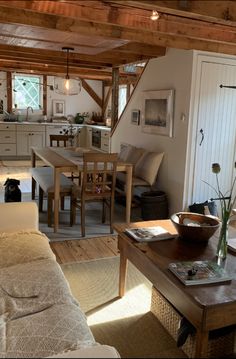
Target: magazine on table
<point>199,272</point>
<point>149,234</point>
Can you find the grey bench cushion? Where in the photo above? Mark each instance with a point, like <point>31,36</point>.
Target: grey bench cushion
<point>45,178</point>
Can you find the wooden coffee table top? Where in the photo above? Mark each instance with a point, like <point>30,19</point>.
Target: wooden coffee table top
<point>161,253</point>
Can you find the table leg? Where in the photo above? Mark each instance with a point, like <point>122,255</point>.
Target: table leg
<point>201,344</point>
<point>123,273</point>
<point>33,182</point>
<point>129,173</point>
<point>56,198</point>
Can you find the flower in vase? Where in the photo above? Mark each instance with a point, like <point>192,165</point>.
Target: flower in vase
<point>227,201</point>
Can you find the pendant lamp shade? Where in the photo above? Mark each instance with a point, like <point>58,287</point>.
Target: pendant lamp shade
<point>66,85</point>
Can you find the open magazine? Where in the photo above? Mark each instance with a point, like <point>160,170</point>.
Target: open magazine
<point>149,234</point>
<point>199,272</point>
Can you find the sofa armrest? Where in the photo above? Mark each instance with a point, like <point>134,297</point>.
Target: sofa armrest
<point>16,216</point>
<point>96,351</point>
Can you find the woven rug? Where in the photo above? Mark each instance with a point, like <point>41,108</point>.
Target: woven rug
<point>125,323</point>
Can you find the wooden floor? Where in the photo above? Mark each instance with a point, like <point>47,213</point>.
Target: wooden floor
<point>85,249</point>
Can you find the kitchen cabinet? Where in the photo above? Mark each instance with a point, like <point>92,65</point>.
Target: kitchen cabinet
<point>105,141</point>
<point>88,137</point>
<point>81,137</point>
<point>7,139</point>
<point>28,136</point>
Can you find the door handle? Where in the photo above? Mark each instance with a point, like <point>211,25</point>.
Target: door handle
<point>202,133</point>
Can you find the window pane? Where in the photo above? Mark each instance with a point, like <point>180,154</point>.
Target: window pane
<point>27,91</point>
<point>122,99</point>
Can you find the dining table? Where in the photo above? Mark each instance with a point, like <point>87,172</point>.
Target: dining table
<point>68,159</point>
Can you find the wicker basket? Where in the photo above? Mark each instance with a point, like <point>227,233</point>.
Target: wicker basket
<point>220,344</point>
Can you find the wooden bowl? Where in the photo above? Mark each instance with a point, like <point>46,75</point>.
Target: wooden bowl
<point>195,227</point>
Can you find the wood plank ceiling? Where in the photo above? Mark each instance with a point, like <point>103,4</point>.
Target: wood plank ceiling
<point>107,34</point>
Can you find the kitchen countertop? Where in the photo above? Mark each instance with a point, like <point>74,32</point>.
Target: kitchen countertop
<point>54,123</point>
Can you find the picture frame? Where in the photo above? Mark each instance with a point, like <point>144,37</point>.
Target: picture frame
<point>58,107</point>
<point>158,112</point>
<point>135,117</point>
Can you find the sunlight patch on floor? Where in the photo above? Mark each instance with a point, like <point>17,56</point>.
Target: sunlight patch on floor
<point>135,302</point>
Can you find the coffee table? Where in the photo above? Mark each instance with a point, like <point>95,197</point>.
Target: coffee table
<point>207,307</point>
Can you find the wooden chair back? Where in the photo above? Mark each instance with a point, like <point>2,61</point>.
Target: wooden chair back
<point>60,139</point>
<point>99,175</point>
<point>98,184</point>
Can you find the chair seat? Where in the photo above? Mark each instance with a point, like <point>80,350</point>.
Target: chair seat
<point>45,178</point>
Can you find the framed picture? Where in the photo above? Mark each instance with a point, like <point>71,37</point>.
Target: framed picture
<point>58,107</point>
<point>135,117</point>
<point>158,112</point>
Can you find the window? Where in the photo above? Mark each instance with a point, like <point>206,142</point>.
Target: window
<point>27,90</point>
<point>122,98</point>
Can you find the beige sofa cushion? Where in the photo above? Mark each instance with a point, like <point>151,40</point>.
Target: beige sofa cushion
<point>23,247</point>
<point>148,165</point>
<point>131,154</point>
<point>124,152</point>
<point>39,315</point>
<point>96,351</point>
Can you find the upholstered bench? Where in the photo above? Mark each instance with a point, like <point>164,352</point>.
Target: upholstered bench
<point>45,178</point>
<point>145,168</point>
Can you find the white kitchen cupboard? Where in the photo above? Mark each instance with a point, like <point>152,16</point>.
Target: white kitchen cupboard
<point>89,137</point>
<point>29,135</point>
<point>213,131</point>
<point>7,139</point>
<point>105,140</point>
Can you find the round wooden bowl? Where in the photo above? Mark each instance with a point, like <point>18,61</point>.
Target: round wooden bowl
<point>195,227</point>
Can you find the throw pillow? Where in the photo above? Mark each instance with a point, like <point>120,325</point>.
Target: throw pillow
<point>135,155</point>
<point>148,165</point>
<point>124,152</point>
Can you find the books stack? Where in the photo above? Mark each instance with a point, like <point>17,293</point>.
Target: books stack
<point>199,272</point>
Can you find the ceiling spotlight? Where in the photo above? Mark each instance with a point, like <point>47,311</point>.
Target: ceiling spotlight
<point>155,15</point>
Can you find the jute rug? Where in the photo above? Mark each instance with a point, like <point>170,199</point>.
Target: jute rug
<point>126,323</point>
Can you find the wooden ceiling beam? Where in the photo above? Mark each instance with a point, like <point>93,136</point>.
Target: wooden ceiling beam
<point>159,37</point>
<point>222,12</point>
<point>105,60</point>
<point>57,71</point>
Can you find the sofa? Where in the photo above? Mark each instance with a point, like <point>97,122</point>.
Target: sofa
<point>39,317</point>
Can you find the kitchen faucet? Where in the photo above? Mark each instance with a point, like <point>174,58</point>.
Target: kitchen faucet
<point>27,112</point>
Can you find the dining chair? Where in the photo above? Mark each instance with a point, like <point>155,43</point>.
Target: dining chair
<point>97,185</point>
<point>65,141</point>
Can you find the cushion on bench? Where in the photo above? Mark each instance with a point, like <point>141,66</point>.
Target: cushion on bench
<point>147,166</point>
<point>44,176</point>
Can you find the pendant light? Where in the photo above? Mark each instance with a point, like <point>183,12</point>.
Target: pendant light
<point>67,86</point>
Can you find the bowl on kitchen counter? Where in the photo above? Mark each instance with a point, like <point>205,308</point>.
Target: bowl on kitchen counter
<point>195,227</point>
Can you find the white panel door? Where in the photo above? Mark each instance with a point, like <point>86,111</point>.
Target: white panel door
<point>215,130</point>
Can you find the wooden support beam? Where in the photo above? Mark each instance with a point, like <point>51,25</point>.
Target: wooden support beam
<point>91,92</point>
<point>115,96</point>
<point>106,99</point>
<point>45,90</point>
<point>9,92</point>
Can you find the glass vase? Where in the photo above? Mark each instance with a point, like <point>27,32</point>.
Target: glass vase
<point>223,237</point>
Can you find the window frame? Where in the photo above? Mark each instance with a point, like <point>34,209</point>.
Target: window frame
<point>26,76</point>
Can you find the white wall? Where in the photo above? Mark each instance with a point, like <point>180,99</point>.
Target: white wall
<point>172,71</point>
<point>82,102</point>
